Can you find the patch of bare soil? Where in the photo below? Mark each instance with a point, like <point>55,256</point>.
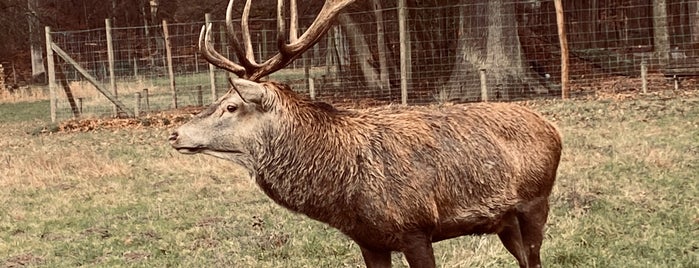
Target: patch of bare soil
<point>134,256</point>
<point>22,260</point>
<point>153,120</point>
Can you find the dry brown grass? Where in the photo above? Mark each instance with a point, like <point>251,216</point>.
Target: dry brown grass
<point>625,197</point>
<point>24,94</point>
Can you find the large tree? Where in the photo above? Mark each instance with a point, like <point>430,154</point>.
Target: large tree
<point>13,33</point>
<point>490,43</point>
<point>450,43</point>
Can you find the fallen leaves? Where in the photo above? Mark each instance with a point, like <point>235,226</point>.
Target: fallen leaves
<point>153,120</point>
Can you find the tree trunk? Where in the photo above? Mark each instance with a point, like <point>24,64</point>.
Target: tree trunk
<point>361,58</point>
<point>35,45</point>
<point>661,39</point>
<point>384,83</point>
<point>463,84</point>
<point>113,12</point>
<point>508,77</point>
<point>496,49</point>
<point>694,20</point>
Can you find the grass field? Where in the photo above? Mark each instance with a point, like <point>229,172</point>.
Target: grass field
<point>626,196</point>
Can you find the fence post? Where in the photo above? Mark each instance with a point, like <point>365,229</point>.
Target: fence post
<point>137,105</point>
<point>404,38</point>
<point>329,52</point>
<point>135,68</point>
<point>259,47</point>
<point>196,63</point>
<point>171,73</point>
<point>644,82</point>
<point>212,73</point>
<point>52,74</point>
<point>145,95</point>
<point>311,88</point>
<point>265,52</point>
<point>80,105</point>
<point>563,40</point>
<point>306,71</point>
<point>332,60</point>
<point>200,101</point>
<point>316,53</point>
<point>484,86</point>
<point>677,81</point>
<point>110,60</point>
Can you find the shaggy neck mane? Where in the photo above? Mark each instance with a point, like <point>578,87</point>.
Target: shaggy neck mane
<point>294,166</point>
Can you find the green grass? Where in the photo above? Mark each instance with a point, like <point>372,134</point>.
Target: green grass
<point>12,113</point>
<point>626,196</point>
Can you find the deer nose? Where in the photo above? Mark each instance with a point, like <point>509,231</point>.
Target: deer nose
<point>173,137</point>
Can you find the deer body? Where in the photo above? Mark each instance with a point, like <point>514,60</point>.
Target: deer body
<point>393,178</point>
<point>390,175</point>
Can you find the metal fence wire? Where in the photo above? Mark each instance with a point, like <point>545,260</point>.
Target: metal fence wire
<point>496,50</point>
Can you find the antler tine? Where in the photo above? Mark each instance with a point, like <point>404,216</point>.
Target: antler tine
<point>247,61</point>
<point>206,48</point>
<point>320,26</point>
<point>293,22</point>
<point>289,52</point>
<point>250,69</point>
<point>249,55</point>
<point>281,28</point>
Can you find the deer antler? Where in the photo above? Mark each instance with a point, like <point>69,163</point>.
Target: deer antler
<point>288,52</point>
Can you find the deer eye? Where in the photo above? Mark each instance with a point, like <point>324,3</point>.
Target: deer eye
<point>231,108</point>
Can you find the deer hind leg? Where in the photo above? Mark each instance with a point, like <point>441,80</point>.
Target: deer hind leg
<point>375,258</point>
<point>532,218</point>
<point>418,250</point>
<point>511,238</point>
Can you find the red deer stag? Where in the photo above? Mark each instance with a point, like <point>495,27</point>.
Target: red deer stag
<point>394,178</point>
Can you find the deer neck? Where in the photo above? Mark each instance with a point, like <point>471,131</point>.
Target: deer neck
<point>301,167</point>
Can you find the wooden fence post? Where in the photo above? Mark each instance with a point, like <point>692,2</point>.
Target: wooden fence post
<point>328,51</point>
<point>311,88</point>
<point>135,68</point>
<point>265,52</point>
<point>404,37</point>
<point>259,47</point>
<point>110,61</point>
<point>171,73</point>
<point>644,81</point>
<point>52,74</point>
<point>200,101</point>
<point>147,101</point>
<point>563,40</point>
<point>196,63</point>
<point>316,53</point>
<point>137,105</point>
<point>306,71</point>
<point>484,86</point>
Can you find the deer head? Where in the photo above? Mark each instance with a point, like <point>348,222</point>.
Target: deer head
<point>233,125</point>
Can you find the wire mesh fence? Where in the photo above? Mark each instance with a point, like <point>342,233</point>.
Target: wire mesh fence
<point>496,50</point>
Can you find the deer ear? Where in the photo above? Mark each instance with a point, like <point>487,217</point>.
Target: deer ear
<point>248,91</point>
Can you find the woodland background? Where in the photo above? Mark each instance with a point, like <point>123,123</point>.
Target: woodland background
<point>515,41</point>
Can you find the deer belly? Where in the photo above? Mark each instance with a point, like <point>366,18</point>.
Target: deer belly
<point>469,225</point>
